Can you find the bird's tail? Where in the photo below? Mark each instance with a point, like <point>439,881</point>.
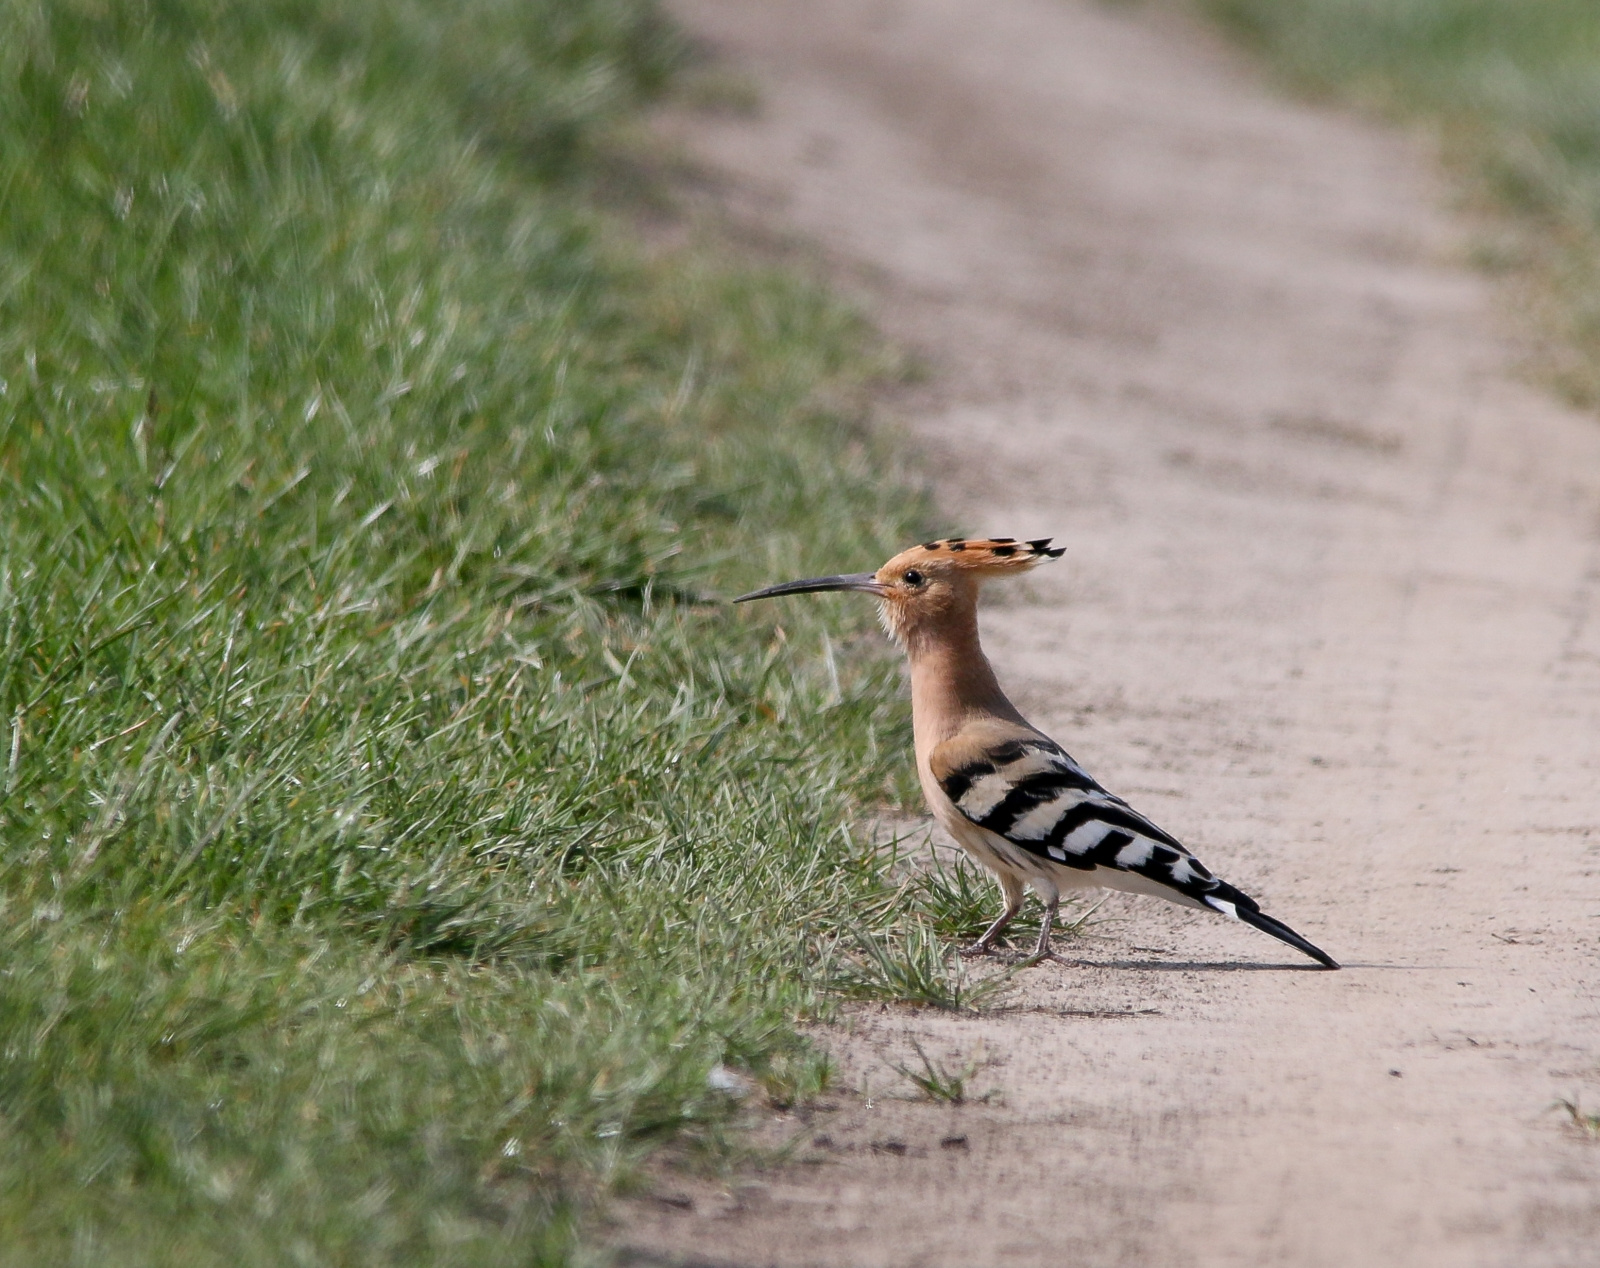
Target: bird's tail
<point>1238,904</point>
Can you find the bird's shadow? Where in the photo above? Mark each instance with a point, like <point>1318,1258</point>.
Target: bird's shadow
<point>1229,966</point>
<point>1201,966</point>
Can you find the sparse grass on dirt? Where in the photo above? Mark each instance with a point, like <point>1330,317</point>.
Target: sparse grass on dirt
<point>911,964</point>
<point>957,899</point>
<point>1585,1121</point>
<point>1514,87</point>
<point>393,836</point>
<point>939,1081</point>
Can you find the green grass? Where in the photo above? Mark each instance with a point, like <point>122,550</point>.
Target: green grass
<point>393,833</point>
<point>1513,86</point>
<point>1587,1123</point>
<point>940,1082</point>
<point>909,963</point>
<point>957,899</point>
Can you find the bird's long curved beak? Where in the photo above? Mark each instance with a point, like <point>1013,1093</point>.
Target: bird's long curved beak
<point>865,582</point>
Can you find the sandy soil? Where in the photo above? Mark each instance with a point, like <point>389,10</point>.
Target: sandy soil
<point>1329,612</point>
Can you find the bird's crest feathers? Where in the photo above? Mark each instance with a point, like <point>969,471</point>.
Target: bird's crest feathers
<point>975,556</point>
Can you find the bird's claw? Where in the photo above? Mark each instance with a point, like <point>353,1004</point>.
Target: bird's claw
<point>975,950</point>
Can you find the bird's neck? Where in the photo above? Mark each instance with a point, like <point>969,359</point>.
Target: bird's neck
<point>952,682</point>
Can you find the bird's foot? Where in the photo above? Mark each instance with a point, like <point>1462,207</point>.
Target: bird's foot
<point>976,950</point>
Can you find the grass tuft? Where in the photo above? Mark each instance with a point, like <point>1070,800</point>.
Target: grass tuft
<point>937,1081</point>
<point>911,964</point>
<point>1587,1123</point>
<point>959,901</point>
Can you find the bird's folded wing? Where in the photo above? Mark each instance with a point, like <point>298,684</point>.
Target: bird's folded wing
<point>1027,789</point>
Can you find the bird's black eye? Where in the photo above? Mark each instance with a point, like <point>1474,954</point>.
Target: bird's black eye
<point>913,578</point>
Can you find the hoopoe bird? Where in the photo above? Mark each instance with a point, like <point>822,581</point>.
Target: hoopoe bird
<point>1012,797</point>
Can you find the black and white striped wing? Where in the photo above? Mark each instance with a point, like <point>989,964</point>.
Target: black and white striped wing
<point>1034,795</point>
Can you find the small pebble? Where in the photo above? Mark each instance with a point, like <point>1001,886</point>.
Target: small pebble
<point>721,1079</point>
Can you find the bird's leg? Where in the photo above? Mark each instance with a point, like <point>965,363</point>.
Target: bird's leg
<point>1042,951</point>
<point>985,944</point>
<point>1013,891</point>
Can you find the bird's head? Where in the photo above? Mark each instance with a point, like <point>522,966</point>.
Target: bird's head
<point>929,585</point>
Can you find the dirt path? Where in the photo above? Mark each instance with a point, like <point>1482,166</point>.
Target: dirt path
<point>1329,612</point>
